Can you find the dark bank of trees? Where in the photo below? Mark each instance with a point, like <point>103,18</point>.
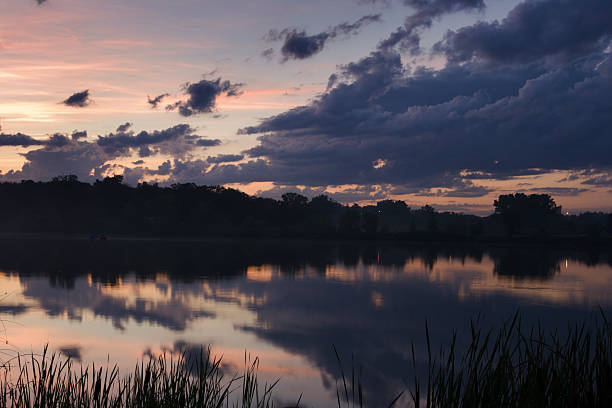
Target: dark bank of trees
<point>66,205</point>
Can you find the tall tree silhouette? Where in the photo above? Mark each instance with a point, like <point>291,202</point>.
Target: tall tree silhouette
<point>532,211</point>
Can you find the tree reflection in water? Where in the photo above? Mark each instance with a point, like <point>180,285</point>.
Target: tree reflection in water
<point>288,301</point>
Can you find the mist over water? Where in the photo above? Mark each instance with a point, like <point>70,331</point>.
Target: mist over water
<point>288,303</point>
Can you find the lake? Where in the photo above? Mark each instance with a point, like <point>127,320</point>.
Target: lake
<point>288,303</point>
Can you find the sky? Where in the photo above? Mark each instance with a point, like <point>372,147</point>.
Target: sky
<point>441,102</point>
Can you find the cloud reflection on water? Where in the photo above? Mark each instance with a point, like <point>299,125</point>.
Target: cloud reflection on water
<point>285,303</point>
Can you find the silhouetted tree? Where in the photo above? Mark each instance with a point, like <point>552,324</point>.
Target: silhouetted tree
<point>111,180</point>
<point>477,227</point>
<point>66,205</point>
<point>521,210</point>
<point>430,215</point>
<point>323,203</point>
<point>392,207</point>
<point>294,200</point>
<point>350,221</point>
<point>67,179</point>
<point>370,223</point>
<point>324,213</point>
<point>393,215</point>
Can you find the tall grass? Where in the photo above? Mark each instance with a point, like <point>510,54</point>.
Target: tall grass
<point>519,367</point>
<point>349,391</point>
<point>514,366</point>
<point>47,381</point>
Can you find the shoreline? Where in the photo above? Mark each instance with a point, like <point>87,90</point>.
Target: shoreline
<point>570,242</point>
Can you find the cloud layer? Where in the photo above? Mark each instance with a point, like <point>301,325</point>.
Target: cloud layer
<point>18,139</point>
<point>526,95</point>
<point>532,30</point>
<point>407,37</point>
<point>202,96</point>
<point>78,99</point>
<point>472,117</point>
<point>61,154</point>
<point>492,117</point>
<point>297,44</point>
<point>154,102</point>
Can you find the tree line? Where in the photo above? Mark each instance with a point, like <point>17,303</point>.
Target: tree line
<point>68,206</point>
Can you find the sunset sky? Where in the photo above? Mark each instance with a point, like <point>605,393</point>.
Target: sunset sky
<point>445,102</point>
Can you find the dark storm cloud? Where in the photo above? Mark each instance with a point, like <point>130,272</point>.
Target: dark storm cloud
<point>208,142</point>
<point>58,140</point>
<point>202,96</point>
<point>534,29</point>
<point>76,135</point>
<point>163,169</point>
<point>224,158</point>
<point>387,63</point>
<point>124,127</point>
<point>145,151</point>
<point>13,310</point>
<point>331,81</point>
<point>18,139</point>
<point>409,130</point>
<point>428,128</point>
<point>157,100</point>
<point>123,138</point>
<point>76,158</point>
<point>176,140</point>
<point>407,37</point>
<point>501,120</point>
<point>78,99</point>
<point>300,45</point>
<point>61,154</point>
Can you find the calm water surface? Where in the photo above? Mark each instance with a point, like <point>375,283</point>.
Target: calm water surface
<point>286,303</point>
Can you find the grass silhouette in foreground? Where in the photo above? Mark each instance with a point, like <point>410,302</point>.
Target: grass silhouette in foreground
<point>514,367</point>
<point>508,367</point>
<point>175,381</point>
